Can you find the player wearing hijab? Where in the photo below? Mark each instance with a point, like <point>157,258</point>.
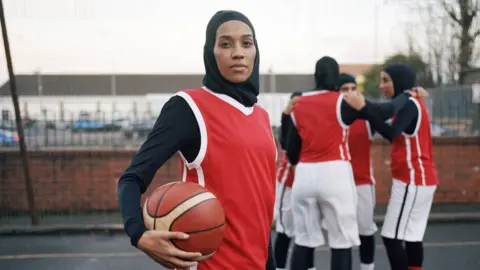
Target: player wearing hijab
<point>360,136</point>
<point>227,145</point>
<point>324,187</point>
<point>413,170</point>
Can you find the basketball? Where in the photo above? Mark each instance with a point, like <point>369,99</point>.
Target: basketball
<point>189,208</point>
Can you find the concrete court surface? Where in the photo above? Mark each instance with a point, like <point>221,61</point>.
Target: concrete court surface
<point>447,246</point>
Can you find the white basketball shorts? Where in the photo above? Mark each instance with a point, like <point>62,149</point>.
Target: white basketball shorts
<point>365,209</point>
<point>325,190</point>
<point>407,211</point>
<point>284,223</point>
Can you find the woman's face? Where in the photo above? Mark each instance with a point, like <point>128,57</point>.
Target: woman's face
<point>347,87</point>
<point>386,85</point>
<point>235,51</point>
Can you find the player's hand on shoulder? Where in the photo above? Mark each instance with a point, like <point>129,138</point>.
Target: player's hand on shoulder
<point>158,246</point>
<point>355,99</point>
<point>417,91</point>
<point>288,110</point>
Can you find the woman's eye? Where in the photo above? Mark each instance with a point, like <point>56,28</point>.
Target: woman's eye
<point>247,43</point>
<point>225,44</point>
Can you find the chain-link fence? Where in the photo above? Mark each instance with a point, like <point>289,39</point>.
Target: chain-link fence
<point>78,150</point>
<point>83,122</point>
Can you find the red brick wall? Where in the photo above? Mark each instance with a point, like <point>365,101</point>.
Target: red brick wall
<point>83,180</point>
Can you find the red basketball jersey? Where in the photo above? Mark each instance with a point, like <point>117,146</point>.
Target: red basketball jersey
<point>359,141</point>
<point>285,172</point>
<point>237,163</point>
<point>317,117</point>
<point>412,158</point>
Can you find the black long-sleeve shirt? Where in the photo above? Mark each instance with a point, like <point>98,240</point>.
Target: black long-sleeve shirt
<point>176,129</point>
<point>405,121</point>
<point>384,110</point>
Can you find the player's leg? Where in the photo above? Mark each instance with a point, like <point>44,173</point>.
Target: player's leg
<point>306,216</point>
<point>417,224</point>
<point>284,227</point>
<point>366,225</point>
<point>338,204</point>
<point>396,220</point>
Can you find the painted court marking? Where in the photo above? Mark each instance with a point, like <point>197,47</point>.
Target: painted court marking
<point>138,254</point>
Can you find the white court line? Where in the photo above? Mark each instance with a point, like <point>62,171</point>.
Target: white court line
<point>138,254</point>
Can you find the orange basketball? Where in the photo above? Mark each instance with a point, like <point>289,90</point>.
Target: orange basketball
<point>189,208</point>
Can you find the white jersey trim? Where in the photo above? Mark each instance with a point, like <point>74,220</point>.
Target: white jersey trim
<point>339,112</point>
<point>237,105</point>
<point>293,119</point>
<point>419,119</point>
<point>203,132</point>
<point>312,93</point>
<point>369,131</point>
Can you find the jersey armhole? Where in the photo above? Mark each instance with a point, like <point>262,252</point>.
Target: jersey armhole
<point>419,119</point>
<point>369,130</point>
<point>203,132</point>
<point>339,112</point>
<point>292,116</point>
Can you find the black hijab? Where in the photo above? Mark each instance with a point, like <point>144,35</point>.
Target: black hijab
<point>246,92</point>
<point>326,74</point>
<point>403,77</point>
<point>344,78</point>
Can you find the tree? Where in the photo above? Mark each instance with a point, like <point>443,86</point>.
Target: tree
<point>465,14</point>
<point>447,31</point>
<point>415,61</point>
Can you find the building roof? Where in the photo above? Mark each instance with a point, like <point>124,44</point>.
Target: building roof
<point>142,84</point>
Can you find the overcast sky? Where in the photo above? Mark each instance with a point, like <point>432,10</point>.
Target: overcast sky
<point>155,36</point>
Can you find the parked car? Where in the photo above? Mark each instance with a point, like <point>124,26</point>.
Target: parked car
<point>138,128</point>
<point>8,138</point>
<point>86,124</point>
<point>439,130</point>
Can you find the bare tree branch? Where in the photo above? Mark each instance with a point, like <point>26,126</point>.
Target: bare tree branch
<point>450,12</point>
<point>476,34</point>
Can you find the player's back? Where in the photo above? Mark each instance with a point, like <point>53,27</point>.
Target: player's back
<point>317,118</point>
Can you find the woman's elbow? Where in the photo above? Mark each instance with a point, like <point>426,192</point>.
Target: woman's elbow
<point>129,180</point>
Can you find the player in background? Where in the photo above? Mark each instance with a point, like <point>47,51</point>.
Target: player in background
<point>227,144</point>
<point>360,135</point>
<point>317,143</point>
<point>285,178</point>
<point>413,170</point>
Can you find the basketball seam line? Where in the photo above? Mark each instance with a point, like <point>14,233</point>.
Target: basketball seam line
<point>186,211</point>
<point>181,202</point>
<point>158,205</point>
<point>206,230</point>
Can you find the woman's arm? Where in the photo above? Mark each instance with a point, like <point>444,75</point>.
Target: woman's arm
<point>293,143</point>
<point>175,129</point>
<point>405,121</point>
<point>385,110</point>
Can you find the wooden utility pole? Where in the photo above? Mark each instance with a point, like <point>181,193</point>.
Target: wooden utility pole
<point>23,149</point>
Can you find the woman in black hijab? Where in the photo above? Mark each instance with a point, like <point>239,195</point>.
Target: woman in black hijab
<point>238,166</point>
<point>321,121</point>
<point>413,170</point>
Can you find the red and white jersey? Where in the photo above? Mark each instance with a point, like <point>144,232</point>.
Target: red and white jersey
<point>285,172</point>
<point>319,123</point>
<point>412,158</point>
<point>359,141</point>
<point>237,163</point>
